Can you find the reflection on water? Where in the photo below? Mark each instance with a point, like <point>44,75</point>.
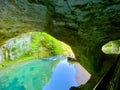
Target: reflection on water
<point>54,73</point>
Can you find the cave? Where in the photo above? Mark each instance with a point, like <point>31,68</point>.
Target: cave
<point>87,26</point>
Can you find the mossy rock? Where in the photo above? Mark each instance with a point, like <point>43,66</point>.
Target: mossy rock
<point>112,47</point>
<point>32,45</point>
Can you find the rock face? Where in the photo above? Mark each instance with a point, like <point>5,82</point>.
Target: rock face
<point>20,16</point>
<point>15,48</point>
<point>114,83</point>
<point>89,23</point>
<point>33,45</point>
<point>112,47</point>
<point>86,25</point>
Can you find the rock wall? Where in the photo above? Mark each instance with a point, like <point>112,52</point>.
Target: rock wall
<point>20,16</point>
<point>15,48</point>
<point>91,23</point>
<point>114,82</point>
<point>33,45</point>
<point>86,25</point>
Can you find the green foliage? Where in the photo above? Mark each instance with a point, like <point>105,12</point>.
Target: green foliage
<point>9,62</point>
<point>52,45</point>
<point>41,45</point>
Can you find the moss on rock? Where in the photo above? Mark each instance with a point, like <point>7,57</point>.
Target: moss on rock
<point>32,45</point>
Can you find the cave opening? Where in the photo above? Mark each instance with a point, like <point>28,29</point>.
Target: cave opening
<point>44,59</point>
<point>112,47</point>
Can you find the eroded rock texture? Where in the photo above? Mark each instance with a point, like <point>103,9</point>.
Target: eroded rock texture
<point>33,45</point>
<point>85,25</point>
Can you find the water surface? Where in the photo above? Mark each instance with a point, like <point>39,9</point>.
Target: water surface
<point>53,73</point>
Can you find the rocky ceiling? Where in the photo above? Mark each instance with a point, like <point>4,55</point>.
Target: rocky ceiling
<point>85,25</point>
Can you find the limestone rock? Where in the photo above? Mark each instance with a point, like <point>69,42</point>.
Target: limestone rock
<point>33,45</point>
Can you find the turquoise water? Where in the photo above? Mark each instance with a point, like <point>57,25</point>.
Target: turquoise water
<point>54,73</point>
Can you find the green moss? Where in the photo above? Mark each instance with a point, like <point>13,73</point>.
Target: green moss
<point>9,62</point>
<point>41,45</point>
<point>52,44</point>
<point>42,42</point>
<point>112,47</point>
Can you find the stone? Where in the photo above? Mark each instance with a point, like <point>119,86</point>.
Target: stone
<point>33,45</point>
<point>86,25</point>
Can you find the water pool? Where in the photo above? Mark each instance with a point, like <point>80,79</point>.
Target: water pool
<point>53,73</point>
